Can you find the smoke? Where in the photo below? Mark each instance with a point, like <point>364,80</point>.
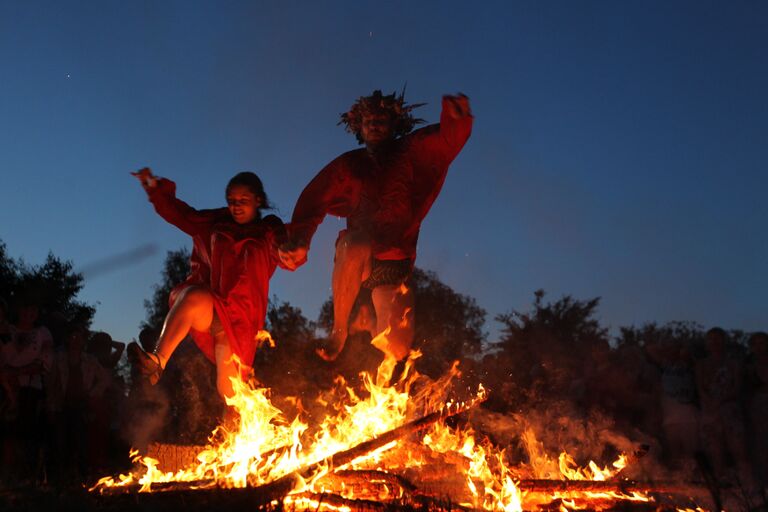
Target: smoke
<point>146,414</point>
<point>183,408</point>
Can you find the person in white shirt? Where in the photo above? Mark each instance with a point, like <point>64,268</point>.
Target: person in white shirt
<point>28,358</point>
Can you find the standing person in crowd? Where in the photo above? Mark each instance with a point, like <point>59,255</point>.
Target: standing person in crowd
<point>29,357</point>
<point>8,381</point>
<point>679,403</point>
<point>223,302</point>
<point>78,386</point>
<point>384,190</point>
<point>105,349</point>
<point>8,394</point>
<point>104,406</point>
<point>720,385</point>
<point>757,374</point>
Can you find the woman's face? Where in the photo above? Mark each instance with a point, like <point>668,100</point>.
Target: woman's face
<point>242,203</point>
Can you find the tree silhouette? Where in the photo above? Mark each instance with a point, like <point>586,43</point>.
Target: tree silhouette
<point>53,286</point>
<point>567,320</point>
<point>686,333</point>
<point>542,349</point>
<point>290,365</point>
<point>8,272</point>
<point>449,325</point>
<point>175,270</point>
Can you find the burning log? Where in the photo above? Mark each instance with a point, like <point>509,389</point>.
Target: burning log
<point>355,505</point>
<point>174,457</point>
<point>604,486</point>
<point>368,482</point>
<point>282,486</point>
<point>362,505</point>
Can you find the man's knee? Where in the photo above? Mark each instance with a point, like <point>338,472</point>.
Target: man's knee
<point>352,246</point>
<point>395,301</point>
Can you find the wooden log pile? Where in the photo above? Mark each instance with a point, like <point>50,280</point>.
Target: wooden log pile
<point>173,457</point>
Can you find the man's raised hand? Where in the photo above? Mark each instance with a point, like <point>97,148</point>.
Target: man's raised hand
<point>458,106</point>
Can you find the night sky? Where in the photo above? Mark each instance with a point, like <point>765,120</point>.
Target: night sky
<point>619,148</point>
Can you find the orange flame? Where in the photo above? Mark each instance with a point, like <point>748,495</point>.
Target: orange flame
<point>266,445</point>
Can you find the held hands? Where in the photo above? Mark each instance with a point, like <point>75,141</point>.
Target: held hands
<point>146,178</point>
<point>458,106</point>
<point>292,258</point>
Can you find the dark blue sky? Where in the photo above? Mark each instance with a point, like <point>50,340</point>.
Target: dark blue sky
<point>619,149</point>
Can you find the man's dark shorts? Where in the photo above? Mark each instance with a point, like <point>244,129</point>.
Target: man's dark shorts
<point>388,272</point>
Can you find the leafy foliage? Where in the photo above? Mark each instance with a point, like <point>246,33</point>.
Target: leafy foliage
<point>53,286</point>
<point>289,365</point>
<point>449,325</point>
<point>175,270</point>
<point>8,273</point>
<point>568,321</point>
<point>288,326</point>
<point>686,333</point>
<point>543,348</point>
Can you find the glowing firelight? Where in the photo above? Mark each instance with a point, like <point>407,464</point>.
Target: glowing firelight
<point>265,446</point>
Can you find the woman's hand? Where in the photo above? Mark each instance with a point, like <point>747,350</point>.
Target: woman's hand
<point>146,178</point>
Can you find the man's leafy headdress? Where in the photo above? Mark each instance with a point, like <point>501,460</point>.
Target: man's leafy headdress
<point>377,103</point>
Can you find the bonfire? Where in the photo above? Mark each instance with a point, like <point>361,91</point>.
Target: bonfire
<point>389,445</point>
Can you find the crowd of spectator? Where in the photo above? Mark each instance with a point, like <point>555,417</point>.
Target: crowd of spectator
<point>701,402</point>
<point>69,409</point>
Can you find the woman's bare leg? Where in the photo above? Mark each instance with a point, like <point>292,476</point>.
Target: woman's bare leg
<point>226,368</point>
<point>192,310</point>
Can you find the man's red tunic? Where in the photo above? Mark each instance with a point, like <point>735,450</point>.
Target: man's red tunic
<point>235,262</point>
<point>387,194</point>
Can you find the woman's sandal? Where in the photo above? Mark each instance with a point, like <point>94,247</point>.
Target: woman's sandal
<point>148,364</point>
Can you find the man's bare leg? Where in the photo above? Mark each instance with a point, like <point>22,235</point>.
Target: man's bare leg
<point>351,267</point>
<point>394,310</point>
<point>364,320</point>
